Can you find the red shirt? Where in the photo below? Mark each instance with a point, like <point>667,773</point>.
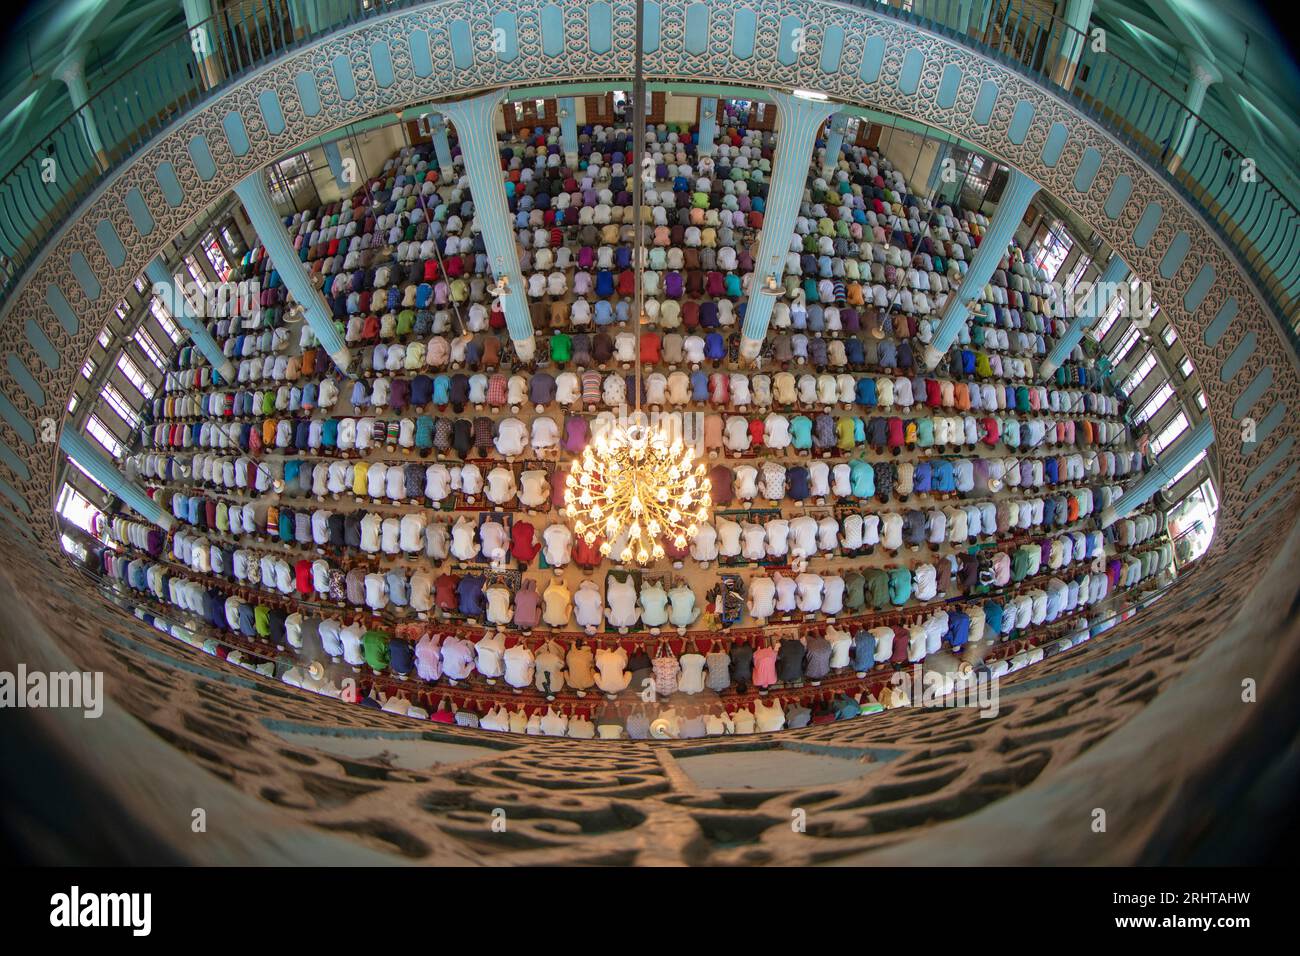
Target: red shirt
<point>650,343</point>
<point>523,541</point>
<point>303,571</point>
<point>445,588</point>
<point>586,555</point>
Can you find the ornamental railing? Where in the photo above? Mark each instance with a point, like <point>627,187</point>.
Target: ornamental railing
<point>1252,214</point>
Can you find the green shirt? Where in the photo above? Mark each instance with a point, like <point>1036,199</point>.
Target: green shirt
<point>1019,564</point>
<point>878,588</point>
<point>374,644</point>
<point>900,585</point>
<point>561,347</point>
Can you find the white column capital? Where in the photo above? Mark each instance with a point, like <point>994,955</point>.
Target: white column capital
<point>71,72</point>
<point>525,348</point>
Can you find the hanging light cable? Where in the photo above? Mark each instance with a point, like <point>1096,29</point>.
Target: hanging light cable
<point>635,485</point>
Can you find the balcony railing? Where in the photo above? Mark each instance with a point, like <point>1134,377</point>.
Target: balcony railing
<point>1253,215</point>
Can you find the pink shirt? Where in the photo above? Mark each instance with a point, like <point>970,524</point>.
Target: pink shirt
<point>428,662</point>
<point>765,666</point>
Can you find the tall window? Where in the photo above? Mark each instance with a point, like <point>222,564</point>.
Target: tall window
<point>1166,436</point>
<point>160,313</point>
<point>74,506</point>
<point>1049,250</point>
<point>212,249</point>
<point>150,349</point>
<point>234,241</point>
<point>1103,326</point>
<point>1155,401</point>
<point>122,407</point>
<point>99,431</point>
<point>1076,272</point>
<point>289,177</point>
<point>1139,374</point>
<point>1125,346</point>
<point>135,376</point>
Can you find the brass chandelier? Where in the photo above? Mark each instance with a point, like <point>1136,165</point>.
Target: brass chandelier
<point>639,486</point>
<point>636,485</point>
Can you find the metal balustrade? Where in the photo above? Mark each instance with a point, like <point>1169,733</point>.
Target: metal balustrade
<point>1256,220</point>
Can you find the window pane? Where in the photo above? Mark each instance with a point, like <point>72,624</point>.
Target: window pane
<point>76,508</point>
<point>99,431</point>
<point>1076,273</point>
<point>1154,403</point>
<point>151,349</point>
<point>1139,374</point>
<point>1112,313</point>
<point>1177,425</point>
<point>121,406</point>
<point>1126,344</point>
<point>135,376</point>
<point>1185,366</point>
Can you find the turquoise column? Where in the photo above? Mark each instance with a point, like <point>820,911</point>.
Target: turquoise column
<point>1161,473</point>
<point>441,143</point>
<point>1019,191</point>
<point>800,118</point>
<point>708,126</point>
<point>835,139</point>
<point>936,170</point>
<point>1099,300</point>
<point>256,199</point>
<point>1078,13</point>
<point>164,286</point>
<point>198,14</point>
<point>334,157</point>
<point>77,447</point>
<point>1204,74</point>
<point>73,74</point>
<point>312,16</point>
<point>568,128</point>
<point>474,120</point>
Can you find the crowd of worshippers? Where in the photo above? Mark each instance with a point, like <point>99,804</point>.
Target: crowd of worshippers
<point>973,480</point>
